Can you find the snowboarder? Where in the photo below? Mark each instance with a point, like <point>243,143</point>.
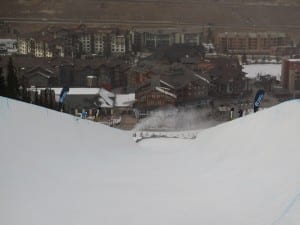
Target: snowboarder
<point>97,114</point>
<point>231,113</point>
<point>83,114</point>
<point>241,113</point>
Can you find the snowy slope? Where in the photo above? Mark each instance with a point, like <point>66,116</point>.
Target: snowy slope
<point>55,169</point>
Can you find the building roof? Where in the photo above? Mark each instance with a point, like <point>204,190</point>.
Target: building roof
<point>167,84</point>
<point>178,76</point>
<point>29,62</point>
<point>252,34</point>
<point>110,100</point>
<point>78,91</point>
<point>124,100</point>
<point>176,52</point>
<point>106,98</point>
<point>202,78</point>
<point>165,91</point>
<point>294,60</point>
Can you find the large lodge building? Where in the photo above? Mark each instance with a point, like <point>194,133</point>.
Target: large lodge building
<point>255,43</point>
<point>290,76</point>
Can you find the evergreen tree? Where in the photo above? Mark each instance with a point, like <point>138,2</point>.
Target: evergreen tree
<point>202,51</point>
<point>25,95</point>
<point>244,58</point>
<point>12,80</point>
<point>51,94</point>
<point>209,37</point>
<point>36,98</point>
<point>2,84</point>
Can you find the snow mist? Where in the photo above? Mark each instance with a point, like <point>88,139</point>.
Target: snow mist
<point>176,119</point>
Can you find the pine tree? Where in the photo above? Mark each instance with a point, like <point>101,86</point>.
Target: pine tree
<point>12,80</point>
<point>244,58</point>
<point>25,95</point>
<point>209,37</point>
<point>2,84</point>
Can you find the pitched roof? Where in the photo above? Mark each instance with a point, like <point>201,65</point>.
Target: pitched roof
<point>109,99</point>
<point>176,52</point>
<point>165,91</point>
<point>167,84</point>
<point>125,100</point>
<point>181,76</point>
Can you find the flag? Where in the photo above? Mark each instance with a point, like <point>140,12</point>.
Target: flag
<point>63,94</point>
<point>258,99</point>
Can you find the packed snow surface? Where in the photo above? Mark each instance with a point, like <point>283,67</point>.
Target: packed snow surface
<point>253,70</point>
<point>58,169</point>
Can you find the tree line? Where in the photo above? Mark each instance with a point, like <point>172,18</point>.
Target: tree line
<point>9,85</point>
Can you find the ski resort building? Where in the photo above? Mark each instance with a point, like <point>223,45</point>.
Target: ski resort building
<point>290,76</point>
<point>8,46</point>
<point>89,99</point>
<point>250,42</point>
<point>39,77</point>
<point>155,94</point>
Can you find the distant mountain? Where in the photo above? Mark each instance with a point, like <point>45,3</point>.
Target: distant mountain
<point>274,14</point>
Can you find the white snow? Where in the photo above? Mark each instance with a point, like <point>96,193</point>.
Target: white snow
<point>58,169</point>
<point>202,78</point>
<point>125,100</point>
<point>108,99</point>
<point>253,70</point>
<point>163,90</point>
<point>294,60</point>
<point>78,91</point>
<point>167,84</point>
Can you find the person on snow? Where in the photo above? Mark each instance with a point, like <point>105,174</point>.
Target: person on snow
<point>231,113</point>
<point>241,113</point>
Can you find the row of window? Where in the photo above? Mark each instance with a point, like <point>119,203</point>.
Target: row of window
<point>118,50</point>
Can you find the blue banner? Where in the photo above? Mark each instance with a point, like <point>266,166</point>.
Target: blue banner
<point>258,99</point>
<point>63,94</point>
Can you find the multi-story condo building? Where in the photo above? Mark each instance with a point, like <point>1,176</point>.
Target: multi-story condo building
<point>8,46</point>
<point>189,38</point>
<point>149,40</point>
<point>22,46</point>
<point>85,38</point>
<point>135,38</point>
<point>69,41</point>
<point>100,39</point>
<point>290,76</point>
<point>105,42</point>
<point>39,47</point>
<point>250,42</point>
<point>152,39</point>
<point>156,39</point>
<point>42,49</point>
<point>118,44</point>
